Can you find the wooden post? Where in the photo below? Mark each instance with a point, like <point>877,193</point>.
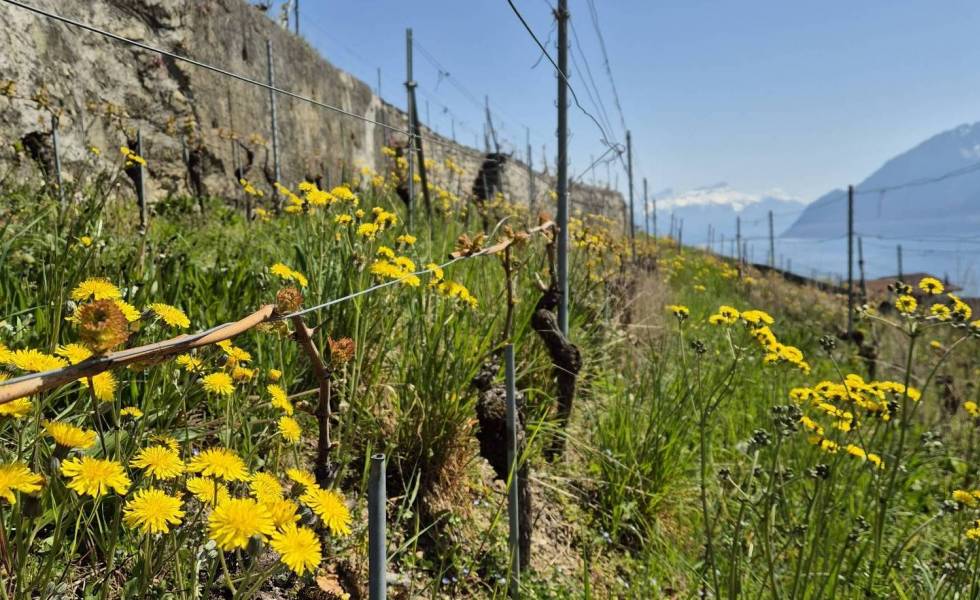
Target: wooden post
<point>57,159</point>
<point>513,455</point>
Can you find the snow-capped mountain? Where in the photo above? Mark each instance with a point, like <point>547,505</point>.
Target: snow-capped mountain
<point>718,205</point>
<point>942,200</point>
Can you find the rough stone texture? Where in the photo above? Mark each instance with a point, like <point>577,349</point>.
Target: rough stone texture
<point>185,111</point>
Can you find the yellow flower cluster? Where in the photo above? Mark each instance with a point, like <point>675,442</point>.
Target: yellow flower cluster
<point>132,159</point>
<point>250,189</point>
<point>398,268</point>
<point>285,273</point>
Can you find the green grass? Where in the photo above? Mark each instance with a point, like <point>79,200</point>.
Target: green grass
<point>688,470</point>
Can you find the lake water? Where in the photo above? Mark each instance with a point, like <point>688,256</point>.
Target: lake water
<point>959,261</point>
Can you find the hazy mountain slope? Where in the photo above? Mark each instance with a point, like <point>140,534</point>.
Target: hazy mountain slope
<point>949,206</point>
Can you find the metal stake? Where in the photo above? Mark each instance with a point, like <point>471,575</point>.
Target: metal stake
<point>377,524</point>
<point>409,82</point>
<point>562,183</point>
<point>772,243</point>
<point>629,168</point>
<point>850,260</point>
<point>899,250</point>
<point>530,174</point>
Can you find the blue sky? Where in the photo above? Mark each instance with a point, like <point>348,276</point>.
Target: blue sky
<point>764,94</point>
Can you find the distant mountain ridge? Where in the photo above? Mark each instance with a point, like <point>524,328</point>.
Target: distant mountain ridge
<point>719,205</point>
<point>948,207</point>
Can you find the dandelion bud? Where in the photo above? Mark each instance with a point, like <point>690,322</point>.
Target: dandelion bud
<point>102,326</point>
<point>288,299</point>
<point>820,471</point>
<point>828,343</point>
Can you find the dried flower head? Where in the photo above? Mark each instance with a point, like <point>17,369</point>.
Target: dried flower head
<point>341,351</point>
<point>289,299</point>
<point>102,325</point>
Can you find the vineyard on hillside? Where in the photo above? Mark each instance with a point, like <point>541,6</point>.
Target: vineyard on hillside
<point>719,432</point>
<point>354,359</point>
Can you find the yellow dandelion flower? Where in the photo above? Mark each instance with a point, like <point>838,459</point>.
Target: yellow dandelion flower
<point>75,353</point>
<point>96,288</point>
<point>171,315</point>
<point>931,285</point>
<point>69,436</point>
<point>189,363</point>
<point>965,497</point>
<point>304,478</point>
<point>275,374</point>
<point>287,274</point>
<point>236,354</point>
<point>405,263</point>
<point>343,219</point>
<point>166,440</point>
<point>219,462</point>
<point>18,409</point>
<point>234,521</point>
<point>730,314</point>
<point>283,511</point>
<point>680,311</point>
<point>34,361</point>
<point>330,507</point>
<point>757,317</point>
<point>298,548</point>
<point>159,462</point>
<point>969,406</point>
<point>290,429</point>
<point>128,310</point>
<point>207,490</point>
<point>386,252</point>
<point>368,230</point>
<point>85,241</point>
<point>974,532</point>
<point>95,476</point>
<point>265,487</point>
<point>153,511</point>
<point>16,477</point>
<point>242,374</point>
<point>437,273</point>
<point>132,411</point>
<point>104,385</point>
<point>406,239</point>
<point>279,398</point>
<point>941,312</point>
<point>218,383</point>
<point>906,304</point>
